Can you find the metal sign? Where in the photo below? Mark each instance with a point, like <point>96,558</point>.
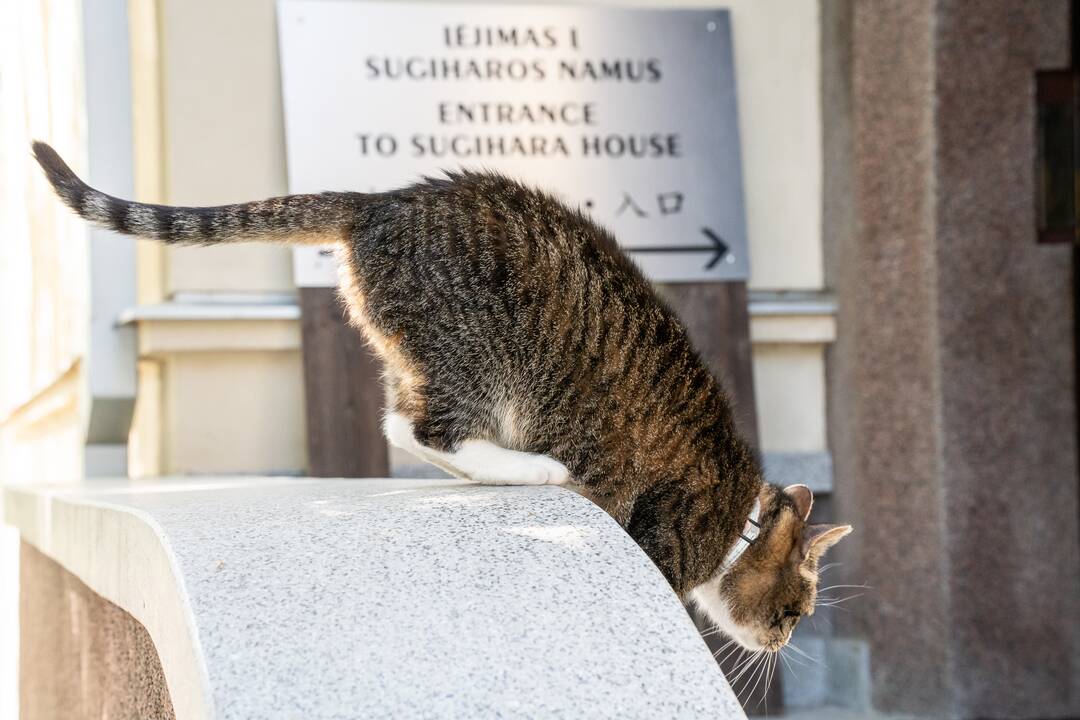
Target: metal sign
<point>627,113</point>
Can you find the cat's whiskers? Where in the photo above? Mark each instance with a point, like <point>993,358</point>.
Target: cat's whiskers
<point>753,666</point>
<point>736,653</point>
<point>834,602</point>
<point>765,681</point>
<point>798,661</point>
<point>762,677</point>
<point>723,647</point>
<point>796,648</point>
<point>787,663</point>
<point>755,677</point>
<point>835,587</point>
<point>743,662</point>
<point>711,631</point>
<point>768,682</point>
<point>746,666</point>
<point>827,567</point>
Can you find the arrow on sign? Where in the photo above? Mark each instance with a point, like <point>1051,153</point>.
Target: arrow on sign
<point>717,247</point>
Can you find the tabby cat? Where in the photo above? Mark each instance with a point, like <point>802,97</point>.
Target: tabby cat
<point>522,347</point>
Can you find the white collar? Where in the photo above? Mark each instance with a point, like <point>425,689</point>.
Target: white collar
<point>746,538</point>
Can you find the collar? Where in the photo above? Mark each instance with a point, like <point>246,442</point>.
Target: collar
<point>746,538</point>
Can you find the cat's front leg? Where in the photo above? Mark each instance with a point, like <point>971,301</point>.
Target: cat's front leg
<point>479,460</point>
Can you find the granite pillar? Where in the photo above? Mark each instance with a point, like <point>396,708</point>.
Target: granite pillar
<point>80,656</point>
<point>952,399</point>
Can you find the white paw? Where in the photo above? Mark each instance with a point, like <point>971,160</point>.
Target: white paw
<point>555,473</point>
<point>530,470</point>
<point>398,429</point>
<point>515,474</point>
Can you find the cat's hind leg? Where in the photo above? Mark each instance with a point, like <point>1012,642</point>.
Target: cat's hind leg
<point>478,460</point>
<point>485,462</point>
<point>398,429</point>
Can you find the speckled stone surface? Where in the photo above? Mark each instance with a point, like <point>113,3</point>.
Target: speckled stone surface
<point>410,598</point>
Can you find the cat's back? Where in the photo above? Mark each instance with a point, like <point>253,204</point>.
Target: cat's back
<point>479,242</point>
<point>489,218</point>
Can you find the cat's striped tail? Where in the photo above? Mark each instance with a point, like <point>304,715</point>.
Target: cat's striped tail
<point>295,219</point>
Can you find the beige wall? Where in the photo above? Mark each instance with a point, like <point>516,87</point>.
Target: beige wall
<point>234,412</point>
<point>224,139</point>
<point>789,388</point>
<point>43,270</point>
<point>778,71</point>
<point>43,257</point>
<point>209,130</point>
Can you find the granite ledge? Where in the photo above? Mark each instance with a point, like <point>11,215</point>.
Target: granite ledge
<point>284,597</point>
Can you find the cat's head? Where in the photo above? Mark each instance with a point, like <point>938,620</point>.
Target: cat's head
<point>759,600</point>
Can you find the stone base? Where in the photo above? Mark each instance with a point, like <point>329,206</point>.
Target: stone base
<point>80,656</point>
<point>953,401</point>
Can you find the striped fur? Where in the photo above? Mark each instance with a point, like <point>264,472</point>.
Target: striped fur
<point>504,316</point>
<point>295,219</point>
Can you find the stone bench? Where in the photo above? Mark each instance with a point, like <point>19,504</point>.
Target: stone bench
<point>299,598</point>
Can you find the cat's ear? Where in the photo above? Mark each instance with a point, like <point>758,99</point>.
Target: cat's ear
<point>819,538</point>
<point>803,499</point>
